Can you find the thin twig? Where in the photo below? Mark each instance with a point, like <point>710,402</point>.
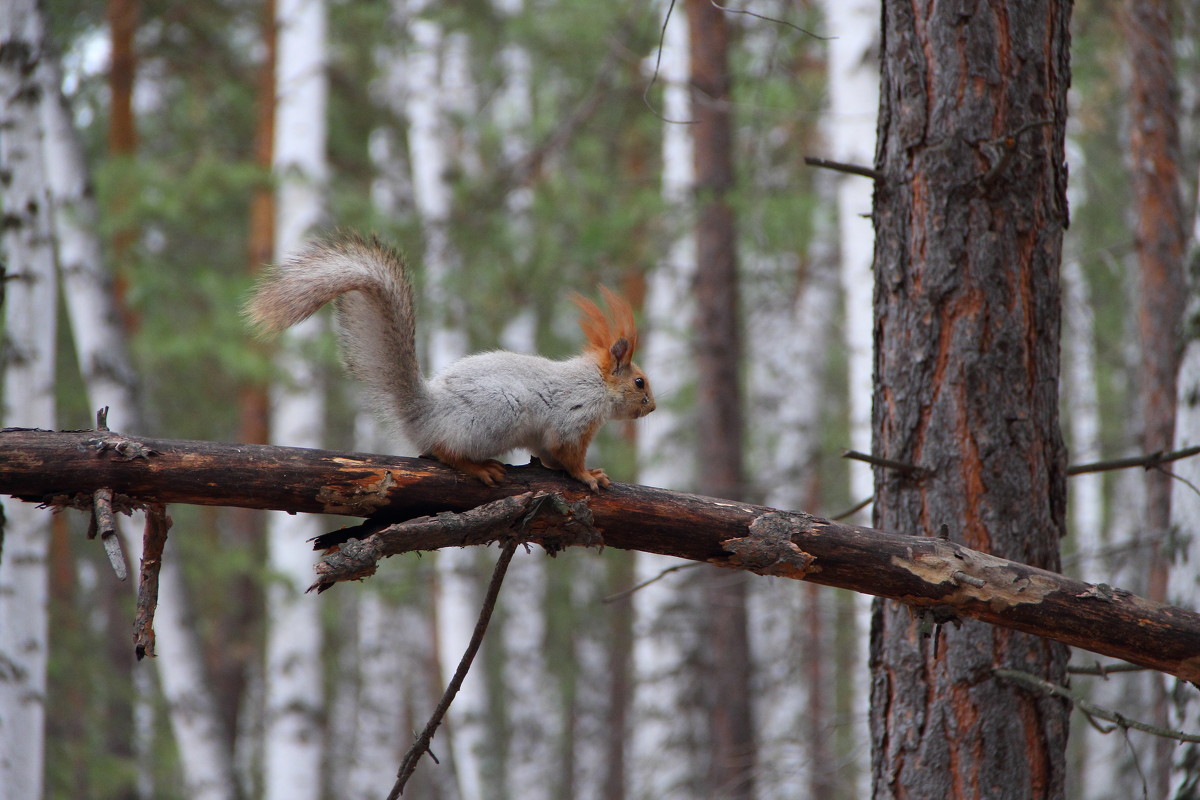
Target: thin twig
<point>1179,478</point>
<point>1147,461</point>
<point>1053,689</point>
<point>662,37</point>
<point>765,18</point>
<point>104,522</point>
<point>840,166</point>
<point>888,463</point>
<point>421,745</point>
<point>612,598</point>
<point>857,507</point>
<point>1103,670</point>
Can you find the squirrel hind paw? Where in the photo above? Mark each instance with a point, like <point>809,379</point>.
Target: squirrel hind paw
<point>594,478</point>
<point>491,472</point>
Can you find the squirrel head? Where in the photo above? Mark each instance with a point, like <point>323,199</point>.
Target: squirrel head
<point>611,340</point>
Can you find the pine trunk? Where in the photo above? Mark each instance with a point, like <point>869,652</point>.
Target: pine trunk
<point>718,352</point>
<point>969,214</point>
<point>1159,245</point>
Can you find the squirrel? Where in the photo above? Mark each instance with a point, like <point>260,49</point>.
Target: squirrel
<point>481,406</point>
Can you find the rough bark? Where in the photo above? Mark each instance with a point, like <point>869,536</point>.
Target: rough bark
<point>66,467</point>
<point>969,215</point>
<point>718,353</point>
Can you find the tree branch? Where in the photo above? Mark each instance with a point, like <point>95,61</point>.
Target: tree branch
<point>1147,461</point>
<point>839,166</point>
<point>1089,708</point>
<point>153,542</point>
<point>64,468</point>
<point>540,518</point>
<point>421,745</point>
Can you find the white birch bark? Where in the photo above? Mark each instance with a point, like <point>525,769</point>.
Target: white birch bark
<point>109,380</point>
<point>1082,394</point>
<point>789,340</point>
<point>664,723</point>
<point>1185,518</point>
<point>1099,754</point>
<point>854,104</point>
<point>432,68</point>
<point>536,721</point>
<point>293,683</point>
<point>1113,765</point>
<point>29,307</point>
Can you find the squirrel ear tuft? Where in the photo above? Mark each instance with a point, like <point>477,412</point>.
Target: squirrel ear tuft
<point>621,352</point>
<point>604,331</point>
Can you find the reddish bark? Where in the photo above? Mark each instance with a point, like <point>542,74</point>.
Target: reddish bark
<point>122,134</point>
<point>726,684</point>
<point>1160,242</point>
<point>969,214</point>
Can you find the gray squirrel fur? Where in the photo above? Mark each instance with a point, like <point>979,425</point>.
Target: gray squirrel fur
<point>481,406</point>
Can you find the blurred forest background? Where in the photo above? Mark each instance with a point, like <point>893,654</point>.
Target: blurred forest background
<point>517,151</point>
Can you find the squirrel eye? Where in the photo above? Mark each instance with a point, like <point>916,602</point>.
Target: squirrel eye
<point>639,383</point>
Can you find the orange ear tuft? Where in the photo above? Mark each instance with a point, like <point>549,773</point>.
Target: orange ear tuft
<point>602,330</point>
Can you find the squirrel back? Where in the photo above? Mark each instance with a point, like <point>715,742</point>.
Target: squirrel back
<point>481,406</point>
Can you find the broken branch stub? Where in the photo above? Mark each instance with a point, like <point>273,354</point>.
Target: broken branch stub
<point>542,518</point>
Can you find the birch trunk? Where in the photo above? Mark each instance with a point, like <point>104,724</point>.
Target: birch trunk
<point>431,67</point>
<point>293,697</point>
<point>664,758</point>
<point>29,301</point>
<point>790,337</point>
<point>1099,753</point>
<point>1185,516</point>
<point>109,380</point>
<point>850,132</point>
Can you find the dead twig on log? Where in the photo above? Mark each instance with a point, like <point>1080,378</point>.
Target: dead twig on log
<point>154,540</point>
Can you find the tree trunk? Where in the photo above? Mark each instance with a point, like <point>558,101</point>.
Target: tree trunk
<point>850,133</point>
<point>122,133</point>
<point>30,302</point>
<point>1159,244</point>
<point>664,758</point>
<point>969,215</point>
<point>292,747</point>
<point>109,380</point>
<point>1185,514</point>
<point>719,406</point>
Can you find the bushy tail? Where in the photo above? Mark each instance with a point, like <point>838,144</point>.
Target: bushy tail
<point>375,315</point>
